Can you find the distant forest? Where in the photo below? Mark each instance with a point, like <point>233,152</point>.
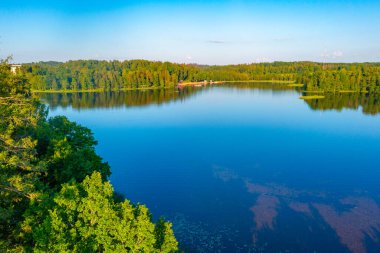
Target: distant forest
<point>116,75</point>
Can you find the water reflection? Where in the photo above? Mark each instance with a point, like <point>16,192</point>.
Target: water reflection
<point>88,100</point>
<point>368,103</point>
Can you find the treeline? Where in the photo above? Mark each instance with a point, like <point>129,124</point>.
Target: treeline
<point>116,75</point>
<point>104,75</point>
<point>54,192</point>
<point>359,77</point>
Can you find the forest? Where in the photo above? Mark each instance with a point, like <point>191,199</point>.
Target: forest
<point>54,190</point>
<point>84,75</point>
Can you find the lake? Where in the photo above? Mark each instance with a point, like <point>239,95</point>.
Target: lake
<point>245,167</point>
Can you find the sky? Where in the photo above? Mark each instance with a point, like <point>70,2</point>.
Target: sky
<point>204,32</point>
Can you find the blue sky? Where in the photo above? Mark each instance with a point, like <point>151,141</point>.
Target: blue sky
<point>204,32</point>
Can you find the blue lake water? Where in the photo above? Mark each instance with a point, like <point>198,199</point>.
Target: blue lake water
<point>244,168</point>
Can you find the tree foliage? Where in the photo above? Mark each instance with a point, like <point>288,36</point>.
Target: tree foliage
<point>85,218</point>
<point>20,171</point>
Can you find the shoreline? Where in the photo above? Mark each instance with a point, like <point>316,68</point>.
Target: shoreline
<point>335,92</point>
<point>203,83</point>
<point>100,90</point>
<point>184,84</point>
<point>200,84</point>
<point>261,81</point>
<point>180,85</point>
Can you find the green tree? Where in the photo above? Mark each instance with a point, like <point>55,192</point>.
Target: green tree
<point>68,151</point>
<point>85,218</point>
<point>20,170</point>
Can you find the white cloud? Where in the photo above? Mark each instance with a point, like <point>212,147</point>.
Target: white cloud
<point>263,59</point>
<point>216,41</point>
<point>332,55</point>
<point>337,54</point>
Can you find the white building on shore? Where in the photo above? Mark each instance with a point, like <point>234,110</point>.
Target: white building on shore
<point>15,67</point>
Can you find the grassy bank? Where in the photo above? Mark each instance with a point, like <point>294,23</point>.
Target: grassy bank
<point>296,85</point>
<point>66,91</point>
<point>333,92</point>
<point>312,97</point>
<point>261,81</point>
<point>98,90</point>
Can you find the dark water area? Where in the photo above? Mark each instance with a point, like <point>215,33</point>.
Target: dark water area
<point>243,167</point>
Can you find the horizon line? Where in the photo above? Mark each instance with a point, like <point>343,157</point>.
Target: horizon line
<point>198,64</point>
